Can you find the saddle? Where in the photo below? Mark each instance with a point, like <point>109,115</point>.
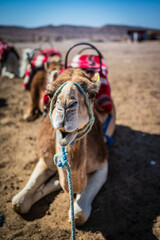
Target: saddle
<point>5,49</point>
<point>91,63</point>
<point>37,63</point>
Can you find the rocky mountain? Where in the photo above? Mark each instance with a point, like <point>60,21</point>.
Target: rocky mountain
<point>51,32</point>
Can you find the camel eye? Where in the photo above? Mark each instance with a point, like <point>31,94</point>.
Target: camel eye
<point>90,72</point>
<point>59,106</point>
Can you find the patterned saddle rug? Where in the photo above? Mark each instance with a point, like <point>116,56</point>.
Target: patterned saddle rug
<point>37,63</point>
<point>5,49</point>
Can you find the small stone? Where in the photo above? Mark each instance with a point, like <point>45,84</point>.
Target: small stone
<point>152,162</point>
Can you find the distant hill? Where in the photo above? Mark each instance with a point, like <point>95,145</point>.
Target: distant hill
<point>50,32</point>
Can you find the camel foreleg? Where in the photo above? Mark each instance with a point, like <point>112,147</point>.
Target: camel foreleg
<point>83,203</point>
<point>5,73</point>
<point>23,201</point>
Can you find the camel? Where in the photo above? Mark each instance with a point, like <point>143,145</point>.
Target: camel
<point>37,87</point>
<point>88,158</point>
<point>9,61</point>
<point>34,69</point>
<point>35,58</point>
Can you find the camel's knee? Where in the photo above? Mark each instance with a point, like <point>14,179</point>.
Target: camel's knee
<point>82,212</point>
<point>83,204</point>
<point>5,73</point>
<point>31,114</point>
<point>32,111</point>
<point>22,201</point>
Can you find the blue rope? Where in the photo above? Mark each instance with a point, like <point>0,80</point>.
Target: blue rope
<point>110,140</point>
<point>63,161</point>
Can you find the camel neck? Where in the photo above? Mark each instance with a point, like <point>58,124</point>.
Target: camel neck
<point>77,161</point>
<point>77,153</point>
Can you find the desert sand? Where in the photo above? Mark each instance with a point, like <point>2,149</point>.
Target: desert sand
<point>128,205</point>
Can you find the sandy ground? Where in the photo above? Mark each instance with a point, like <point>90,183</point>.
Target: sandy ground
<point>128,205</point>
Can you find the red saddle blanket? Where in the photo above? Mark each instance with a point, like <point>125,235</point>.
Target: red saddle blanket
<point>5,49</point>
<point>92,63</point>
<point>37,63</point>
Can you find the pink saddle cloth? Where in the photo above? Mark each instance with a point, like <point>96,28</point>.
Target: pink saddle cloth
<point>38,62</point>
<point>5,49</point>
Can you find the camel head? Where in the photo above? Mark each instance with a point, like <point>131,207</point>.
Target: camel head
<point>52,67</point>
<point>70,112</point>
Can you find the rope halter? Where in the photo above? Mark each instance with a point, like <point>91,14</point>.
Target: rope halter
<point>81,132</point>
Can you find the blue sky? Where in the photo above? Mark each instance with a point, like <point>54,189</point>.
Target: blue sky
<point>33,13</point>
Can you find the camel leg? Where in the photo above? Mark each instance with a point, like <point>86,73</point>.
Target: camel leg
<point>33,105</point>
<point>83,203</point>
<point>52,186</point>
<point>5,73</point>
<point>23,201</point>
<point>10,68</point>
<point>41,93</point>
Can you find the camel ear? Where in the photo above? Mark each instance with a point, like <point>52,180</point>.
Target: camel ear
<point>94,87</point>
<point>53,76</point>
<point>96,78</point>
<point>49,91</point>
<point>92,90</point>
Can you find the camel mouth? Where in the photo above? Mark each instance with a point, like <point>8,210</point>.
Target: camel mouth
<point>65,138</point>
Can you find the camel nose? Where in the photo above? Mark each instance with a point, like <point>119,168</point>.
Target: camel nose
<point>58,120</point>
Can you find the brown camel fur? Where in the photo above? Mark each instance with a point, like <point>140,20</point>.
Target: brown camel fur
<point>87,157</point>
<point>37,88</point>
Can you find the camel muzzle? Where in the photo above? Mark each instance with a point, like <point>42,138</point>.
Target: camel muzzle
<point>65,138</point>
<point>76,135</point>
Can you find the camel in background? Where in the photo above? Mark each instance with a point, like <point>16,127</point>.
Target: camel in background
<point>9,61</point>
<point>36,90</point>
<point>36,65</point>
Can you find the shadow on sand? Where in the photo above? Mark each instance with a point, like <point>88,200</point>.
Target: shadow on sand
<point>3,102</point>
<point>39,209</point>
<point>129,202</point>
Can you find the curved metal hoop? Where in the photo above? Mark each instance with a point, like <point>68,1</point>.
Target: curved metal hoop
<point>83,43</point>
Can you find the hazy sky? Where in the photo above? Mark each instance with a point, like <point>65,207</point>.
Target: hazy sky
<point>33,13</point>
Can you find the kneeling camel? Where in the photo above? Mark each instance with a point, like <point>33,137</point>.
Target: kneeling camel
<point>87,157</point>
